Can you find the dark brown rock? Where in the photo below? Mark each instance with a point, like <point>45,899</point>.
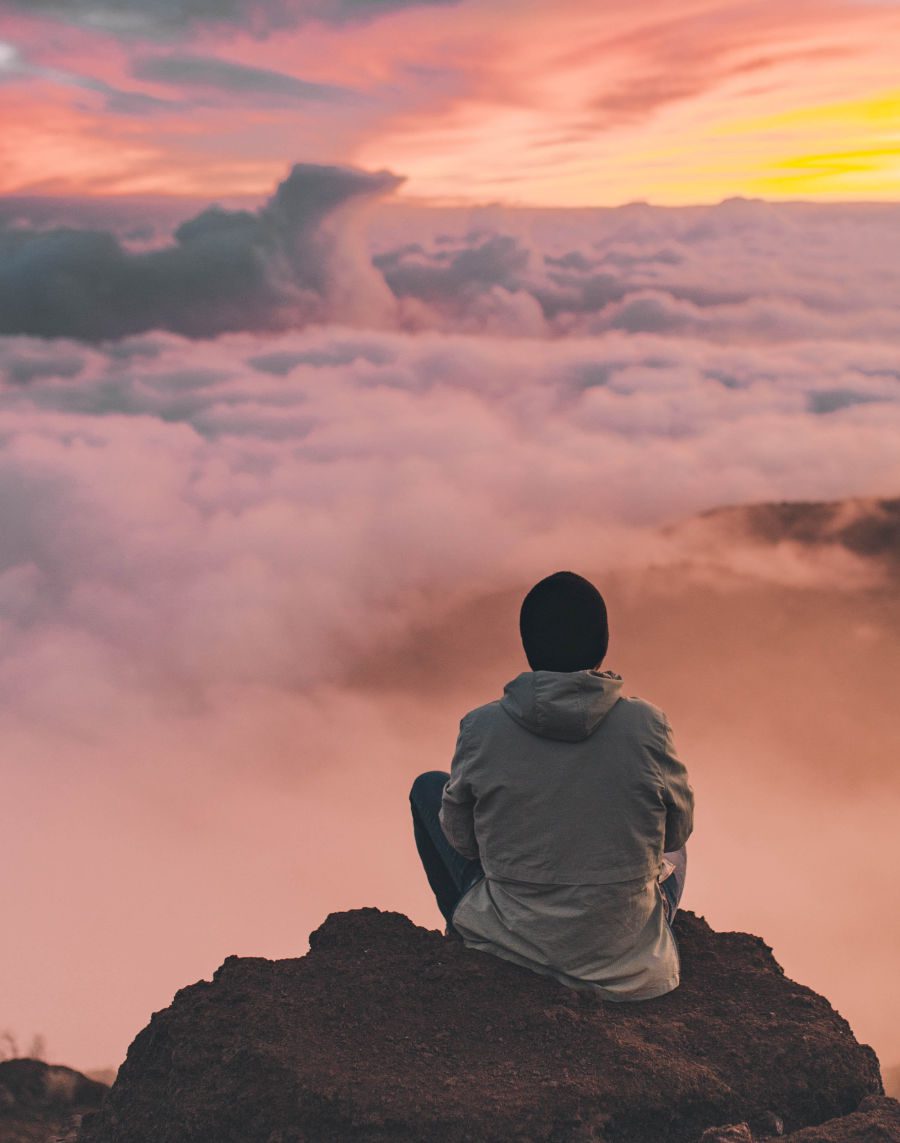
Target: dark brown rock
<point>387,1032</point>
<point>877,1120</point>
<point>40,1102</point>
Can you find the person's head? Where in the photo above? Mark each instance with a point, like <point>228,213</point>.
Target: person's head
<point>563,624</point>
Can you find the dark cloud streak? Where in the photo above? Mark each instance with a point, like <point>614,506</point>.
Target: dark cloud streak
<point>165,19</point>
<point>195,71</point>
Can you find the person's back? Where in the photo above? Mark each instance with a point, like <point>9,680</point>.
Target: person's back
<point>561,800</point>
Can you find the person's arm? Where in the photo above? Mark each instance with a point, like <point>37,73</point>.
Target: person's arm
<point>457,815</point>
<point>677,793</point>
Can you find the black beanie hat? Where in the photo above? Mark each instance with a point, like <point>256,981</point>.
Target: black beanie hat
<point>563,624</point>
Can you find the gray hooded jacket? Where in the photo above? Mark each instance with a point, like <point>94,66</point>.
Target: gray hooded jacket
<point>569,793</point>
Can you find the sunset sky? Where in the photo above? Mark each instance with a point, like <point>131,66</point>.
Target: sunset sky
<point>309,368</point>
<point>537,102</point>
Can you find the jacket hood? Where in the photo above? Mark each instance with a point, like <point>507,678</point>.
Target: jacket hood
<point>565,706</point>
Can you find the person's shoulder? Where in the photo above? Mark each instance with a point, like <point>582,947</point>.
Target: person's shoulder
<point>481,715</point>
<point>641,705</point>
<point>475,728</point>
<point>641,712</point>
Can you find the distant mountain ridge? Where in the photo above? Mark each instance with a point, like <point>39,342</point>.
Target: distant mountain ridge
<point>866,526</point>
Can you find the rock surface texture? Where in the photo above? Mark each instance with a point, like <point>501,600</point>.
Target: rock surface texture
<point>387,1032</point>
<point>41,1102</point>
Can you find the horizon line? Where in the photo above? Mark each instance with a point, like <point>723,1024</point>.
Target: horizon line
<point>400,202</point>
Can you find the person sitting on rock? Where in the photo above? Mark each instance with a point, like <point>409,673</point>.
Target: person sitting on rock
<point>557,840</point>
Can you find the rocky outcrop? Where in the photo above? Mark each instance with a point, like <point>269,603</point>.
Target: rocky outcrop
<point>388,1032</point>
<point>41,1102</point>
<point>877,1120</point>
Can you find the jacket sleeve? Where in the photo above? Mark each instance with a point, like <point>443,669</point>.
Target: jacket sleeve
<point>457,815</point>
<point>677,793</point>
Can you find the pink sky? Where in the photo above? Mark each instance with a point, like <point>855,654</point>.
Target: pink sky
<point>542,103</point>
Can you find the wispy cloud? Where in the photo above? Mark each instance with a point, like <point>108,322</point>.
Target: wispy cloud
<point>567,104</point>
<point>14,67</point>
<point>212,73</point>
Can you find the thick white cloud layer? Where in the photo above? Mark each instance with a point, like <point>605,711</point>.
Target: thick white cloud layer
<point>247,585</point>
<point>263,510</point>
<point>184,516</point>
<point>744,270</point>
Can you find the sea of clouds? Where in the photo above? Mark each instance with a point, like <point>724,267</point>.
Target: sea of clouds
<point>272,485</point>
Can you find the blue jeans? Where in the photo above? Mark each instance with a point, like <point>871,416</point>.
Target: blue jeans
<point>673,886</point>
<point>451,875</point>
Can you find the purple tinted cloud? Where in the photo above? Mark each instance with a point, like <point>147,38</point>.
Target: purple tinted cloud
<point>744,270</point>
<point>271,268</point>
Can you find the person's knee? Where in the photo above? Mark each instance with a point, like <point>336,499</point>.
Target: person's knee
<point>427,785</point>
